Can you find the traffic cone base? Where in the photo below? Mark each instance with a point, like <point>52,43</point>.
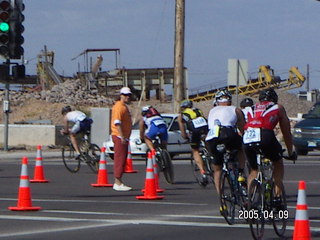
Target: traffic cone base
<point>24,208</point>
<point>102,178</point>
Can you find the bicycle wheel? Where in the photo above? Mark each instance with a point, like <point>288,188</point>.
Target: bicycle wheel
<point>280,211</point>
<point>166,166</point>
<point>255,210</point>
<point>227,198</point>
<point>93,157</point>
<point>70,162</point>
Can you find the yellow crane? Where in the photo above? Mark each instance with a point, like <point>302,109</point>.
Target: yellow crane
<point>266,79</point>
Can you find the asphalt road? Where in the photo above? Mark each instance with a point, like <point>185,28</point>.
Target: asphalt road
<point>73,209</point>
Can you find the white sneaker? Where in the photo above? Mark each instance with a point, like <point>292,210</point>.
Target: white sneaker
<point>121,187</point>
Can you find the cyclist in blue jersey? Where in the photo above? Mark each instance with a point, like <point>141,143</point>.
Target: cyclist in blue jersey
<point>152,125</point>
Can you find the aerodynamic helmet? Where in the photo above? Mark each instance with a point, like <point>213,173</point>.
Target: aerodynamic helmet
<point>186,104</point>
<point>246,102</point>
<point>225,94</point>
<point>145,109</point>
<point>268,94</point>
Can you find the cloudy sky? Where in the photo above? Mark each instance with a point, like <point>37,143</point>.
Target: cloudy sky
<point>279,33</point>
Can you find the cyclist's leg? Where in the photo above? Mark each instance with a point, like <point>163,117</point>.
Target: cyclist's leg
<point>150,135</point>
<point>73,137</point>
<point>252,160</point>
<point>217,168</point>
<point>195,145</point>
<point>278,173</point>
<point>163,134</point>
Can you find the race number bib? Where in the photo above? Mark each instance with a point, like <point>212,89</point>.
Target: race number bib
<point>252,135</point>
<point>213,133</point>
<point>199,122</point>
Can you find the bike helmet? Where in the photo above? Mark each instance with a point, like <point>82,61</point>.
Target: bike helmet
<point>145,109</point>
<point>65,109</point>
<point>186,104</point>
<point>246,102</point>
<point>268,94</point>
<point>223,94</point>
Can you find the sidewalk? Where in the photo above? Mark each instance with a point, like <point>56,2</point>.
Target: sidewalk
<point>18,154</point>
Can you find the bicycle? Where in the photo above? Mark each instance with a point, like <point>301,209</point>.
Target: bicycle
<point>232,192</point>
<point>264,205</point>
<point>89,154</point>
<point>164,161</point>
<point>207,161</point>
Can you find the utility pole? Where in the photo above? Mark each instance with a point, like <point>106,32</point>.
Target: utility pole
<point>178,79</point>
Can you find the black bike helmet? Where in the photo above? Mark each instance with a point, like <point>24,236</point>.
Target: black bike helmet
<point>268,94</point>
<point>223,93</point>
<point>246,102</point>
<point>186,104</point>
<point>65,109</point>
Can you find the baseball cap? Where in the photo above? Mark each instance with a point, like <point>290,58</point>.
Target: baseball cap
<point>125,91</point>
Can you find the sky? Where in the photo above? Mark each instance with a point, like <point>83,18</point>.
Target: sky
<point>279,33</point>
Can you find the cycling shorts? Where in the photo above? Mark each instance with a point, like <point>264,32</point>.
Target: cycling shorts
<point>269,145</point>
<point>227,136</point>
<point>196,136</point>
<point>154,131</point>
<point>81,126</point>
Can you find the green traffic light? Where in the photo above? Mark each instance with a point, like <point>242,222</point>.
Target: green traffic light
<point>4,27</point>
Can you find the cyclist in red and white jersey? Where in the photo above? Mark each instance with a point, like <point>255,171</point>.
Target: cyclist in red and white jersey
<point>263,118</point>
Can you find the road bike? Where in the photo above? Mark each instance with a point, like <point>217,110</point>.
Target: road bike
<point>89,154</point>
<point>164,161</point>
<point>265,207</point>
<point>232,192</point>
<point>207,162</point>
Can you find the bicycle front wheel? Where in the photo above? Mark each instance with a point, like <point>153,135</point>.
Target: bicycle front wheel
<point>280,211</point>
<point>255,210</point>
<point>166,166</point>
<point>93,157</point>
<point>227,198</point>
<point>68,157</point>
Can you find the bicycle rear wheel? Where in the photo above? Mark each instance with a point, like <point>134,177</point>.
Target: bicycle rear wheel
<point>93,157</point>
<point>280,212</point>
<point>68,157</point>
<point>166,166</point>
<point>227,198</point>
<point>255,210</point>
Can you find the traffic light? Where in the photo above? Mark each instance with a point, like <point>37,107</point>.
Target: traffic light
<point>5,8</point>
<point>16,29</point>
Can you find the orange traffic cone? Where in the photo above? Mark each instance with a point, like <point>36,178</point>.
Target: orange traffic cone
<point>301,224</point>
<point>150,192</point>
<point>128,168</point>
<point>38,175</point>
<point>102,179</point>
<point>24,197</point>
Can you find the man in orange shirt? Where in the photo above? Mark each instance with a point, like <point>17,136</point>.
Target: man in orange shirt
<point>121,125</point>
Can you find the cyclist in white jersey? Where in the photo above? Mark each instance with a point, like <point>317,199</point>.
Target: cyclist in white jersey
<point>227,119</point>
<point>81,123</point>
<point>151,126</point>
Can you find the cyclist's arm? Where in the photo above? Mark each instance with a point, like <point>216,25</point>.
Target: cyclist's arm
<point>142,129</point>
<point>65,129</point>
<point>240,120</point>
<point>285,127</point>
<point>182,127</point>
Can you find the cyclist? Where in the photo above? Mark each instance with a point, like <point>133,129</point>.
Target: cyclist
<point>223,121</point>
<point>152,125</point>
<point>193,119</point>
<point>267,113</point>
<point>246,106</point>
<point>81,123</point>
